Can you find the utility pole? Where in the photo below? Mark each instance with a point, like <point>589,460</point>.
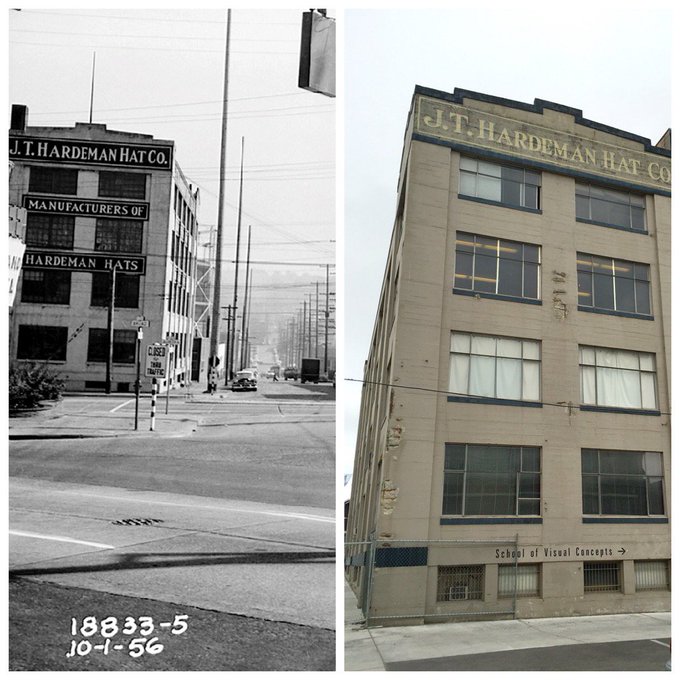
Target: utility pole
<point>244,319</point>
<point>228,348</point>
<point>325,351</point>
<point>215,321</point>
<point>109,356</point>
<point>238,248</point>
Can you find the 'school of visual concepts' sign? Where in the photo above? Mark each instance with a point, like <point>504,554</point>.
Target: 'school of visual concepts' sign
<point>86,152</point>
<point>90,207</point>
<point>84,262</point>
<point>465,126</point>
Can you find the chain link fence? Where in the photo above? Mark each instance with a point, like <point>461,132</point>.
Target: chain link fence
<point>410,581</point>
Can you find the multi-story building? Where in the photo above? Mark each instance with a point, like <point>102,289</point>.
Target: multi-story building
<point>111,238</point>
<point>513,451</point>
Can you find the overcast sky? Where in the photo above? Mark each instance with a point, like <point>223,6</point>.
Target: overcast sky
<point>160,72</point>
<point>612,63</point>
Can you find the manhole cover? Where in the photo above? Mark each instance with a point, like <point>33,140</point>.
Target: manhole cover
<point>138,521</point>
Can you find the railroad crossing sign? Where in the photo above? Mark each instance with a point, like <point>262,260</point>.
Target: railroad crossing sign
<point>156,361</point>
<point>140,321</point>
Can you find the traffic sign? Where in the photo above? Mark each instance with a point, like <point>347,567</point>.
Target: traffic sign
<point>156,361</point>
<point>140,321</point>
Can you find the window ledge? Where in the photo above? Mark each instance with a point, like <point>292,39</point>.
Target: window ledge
<point>499,204</point>
<point>496,402</point>
<point>494,296</point>
<point>610,312</point>
<point>627,411</point>
<point>624,520</point>
<point>489,520</point>
<point>612,226</point>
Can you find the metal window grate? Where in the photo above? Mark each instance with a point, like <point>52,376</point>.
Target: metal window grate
<point>460,583</point>
<point>601,577</point>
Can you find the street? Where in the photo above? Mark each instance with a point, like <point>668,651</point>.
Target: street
<point>234,518</point>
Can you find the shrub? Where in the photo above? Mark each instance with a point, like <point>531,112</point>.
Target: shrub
<point>31,383</point>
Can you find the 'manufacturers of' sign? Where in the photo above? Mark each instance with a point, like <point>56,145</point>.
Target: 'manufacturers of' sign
<point>87,207</point>
<point>84,262</point>
<point>142,156</point>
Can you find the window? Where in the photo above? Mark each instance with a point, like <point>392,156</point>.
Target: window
<point>601,577</point>
<point>491,480</point>
<point>522,580</point>
<point>622,482</point>
<point>460,583</point>
<point>122,184</point>
<point>127,290</point>
<point>618,378</point>
<point>50,231</point>
<point>118,236</point>
<point>493,267</point>
<point>610,208</point>
<point>495,367</point>
<point>42,343</point>
<point>53,181</point>
<point>605,284</point>
<point>46,286</point>
<point>124,346</point>
<point>651,575</point>
<point>503,184</point>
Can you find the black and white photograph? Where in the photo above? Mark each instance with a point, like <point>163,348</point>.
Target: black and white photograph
<point>172,339</point>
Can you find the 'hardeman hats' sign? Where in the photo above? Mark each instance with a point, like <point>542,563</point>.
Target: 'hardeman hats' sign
<point>140,156</point>
<point>87,207</point>
<point>84,262</point>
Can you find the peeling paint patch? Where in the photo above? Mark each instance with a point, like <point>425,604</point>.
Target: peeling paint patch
<point>388,497</point>
<point>394,436</point>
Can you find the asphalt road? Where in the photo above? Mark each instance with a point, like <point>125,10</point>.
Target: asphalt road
<point>236,520</point>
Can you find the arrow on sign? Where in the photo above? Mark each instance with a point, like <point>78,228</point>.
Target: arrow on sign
<point>622,551</point>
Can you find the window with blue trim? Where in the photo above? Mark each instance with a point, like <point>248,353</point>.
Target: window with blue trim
<point>503,184</point>
<point>610,207</point>
<point>497,267</point>
<point>615,378</point>
<point>608,285</point>
<point>622,482</point>
<point>492,480</point>
<point>491,367</point>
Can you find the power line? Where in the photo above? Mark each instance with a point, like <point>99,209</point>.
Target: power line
<point>565,404</point>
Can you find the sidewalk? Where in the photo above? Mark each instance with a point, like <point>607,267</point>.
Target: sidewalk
<point>372,649</point>
<point>55,421</point>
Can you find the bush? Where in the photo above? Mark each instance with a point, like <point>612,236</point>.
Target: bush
<point>31,383</point>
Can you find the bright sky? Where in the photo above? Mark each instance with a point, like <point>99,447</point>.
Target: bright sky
<point>160,72</point>
<point>610,61</point>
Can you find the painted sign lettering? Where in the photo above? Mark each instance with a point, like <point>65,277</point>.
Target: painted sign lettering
<point>87,207</point>
<point>147,156</point>
<point>84,262</point>
<point>464,126</point>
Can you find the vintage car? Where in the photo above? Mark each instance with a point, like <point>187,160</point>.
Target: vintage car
<point>290,372</point>
<point>244,380</point>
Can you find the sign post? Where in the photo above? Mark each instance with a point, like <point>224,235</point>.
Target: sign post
<point>139,322</point>
<point>156,367</point>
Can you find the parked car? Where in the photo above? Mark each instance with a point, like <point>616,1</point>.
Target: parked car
<point>290,372</point>
<point>244,380</point>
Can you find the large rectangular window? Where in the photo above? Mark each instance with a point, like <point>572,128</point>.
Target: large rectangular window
<point>622,482</point>
<point>610,207</point>
<point>497,267</point>
<point>122,184</point>
<point>118,236</point>
<point>123,346</point>
<point>495,367</point>
<point>46,286</point>
<point>53,181</point>
<point>460,583</point>
<point>502,184</point>
<point>42,343</point>
<point>127,290</point>
<point>50,231</point>
<point>609,285</point>
<point>618,378</point>
<point>492,480</point>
